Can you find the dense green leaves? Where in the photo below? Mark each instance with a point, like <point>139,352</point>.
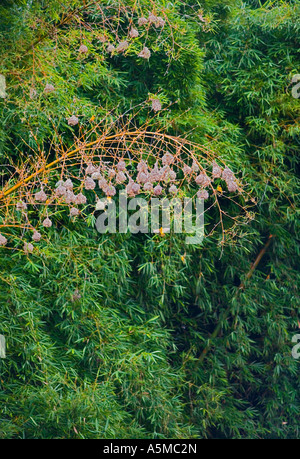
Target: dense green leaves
<point>105,333</point>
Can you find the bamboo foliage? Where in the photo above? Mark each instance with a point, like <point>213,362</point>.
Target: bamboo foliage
<point>141,335</point>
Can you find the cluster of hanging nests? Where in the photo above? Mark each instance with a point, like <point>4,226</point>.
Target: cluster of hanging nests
<point>159,178</point>
<point>163,178</point>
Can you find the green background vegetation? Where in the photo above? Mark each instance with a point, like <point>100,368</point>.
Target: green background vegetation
<point>123,360</point>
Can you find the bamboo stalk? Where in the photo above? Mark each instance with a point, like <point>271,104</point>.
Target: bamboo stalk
<point>226,313</point>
